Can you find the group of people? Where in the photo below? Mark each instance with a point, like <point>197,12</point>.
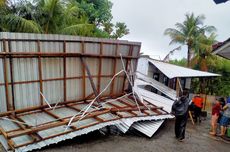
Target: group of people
<point>221,115</point>
<point>180,108</point>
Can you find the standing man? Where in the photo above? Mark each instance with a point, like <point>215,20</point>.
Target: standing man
<point>180,109</point>
<point>198,105</point>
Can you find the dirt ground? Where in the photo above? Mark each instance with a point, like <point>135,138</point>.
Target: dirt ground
<point>197,140</point>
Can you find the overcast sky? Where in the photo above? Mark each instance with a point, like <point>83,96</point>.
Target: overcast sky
<point>147,20</point>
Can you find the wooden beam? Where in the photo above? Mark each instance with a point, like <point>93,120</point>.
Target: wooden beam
<point>11,75</point>
<point>34,136</point>
<point>5,70</point>
<point>32,109</point>
<point>83,72</point>
<point>99,69</point>
<point>56,55</point>
<point>86,41</point>
<point>64,72</point>
<point>91,79</point>
<point>57,117</point>
<point>40,72</point>
<point>52,125</point>
<point>114,67</point>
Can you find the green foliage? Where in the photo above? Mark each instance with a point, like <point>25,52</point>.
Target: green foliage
<point>121,30</point>
<point>181,62</point>
<point>189,32</point>
<point>75,17</point>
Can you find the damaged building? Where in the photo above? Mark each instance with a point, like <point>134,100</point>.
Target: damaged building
<point>57,87</point>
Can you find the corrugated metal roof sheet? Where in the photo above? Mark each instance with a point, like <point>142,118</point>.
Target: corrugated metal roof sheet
<point>42,118</point>
<point>174,71</point>
<point>148,127</point>
<point>144,80</point>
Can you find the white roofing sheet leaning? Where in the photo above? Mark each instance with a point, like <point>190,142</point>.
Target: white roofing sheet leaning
<point>174,71</point>
<point>144,80</point>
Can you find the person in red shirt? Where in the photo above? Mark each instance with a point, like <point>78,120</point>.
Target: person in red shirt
<point>215,115</point>
<point>198,105</point>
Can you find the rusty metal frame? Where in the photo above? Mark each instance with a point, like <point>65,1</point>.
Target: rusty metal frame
<point>33,131</point>
<point>14,114</point>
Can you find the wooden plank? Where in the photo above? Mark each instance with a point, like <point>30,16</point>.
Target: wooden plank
<point>40,72</point>
<point>12,76</point>
<point>5,68</point>
<point>64,72</point>
<point>58,79</point>
<point>91,79</point>
<point>32,109</point>
<point>99,67</point>
<point>34,136</point>
<point>52,125</point>
<point>86,41</point>
<point>57,55</point>
<point>57,117</point>
<point>10,142</point>
<point>83,72</point>
<point>114,70</point>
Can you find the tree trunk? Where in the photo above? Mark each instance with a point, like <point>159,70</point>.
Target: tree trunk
<point>189,56</point>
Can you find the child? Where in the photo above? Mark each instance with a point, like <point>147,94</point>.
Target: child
<point>215,115</point>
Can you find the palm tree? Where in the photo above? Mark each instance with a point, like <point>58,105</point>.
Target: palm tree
<point>203,51</point>
<point>187,33</point>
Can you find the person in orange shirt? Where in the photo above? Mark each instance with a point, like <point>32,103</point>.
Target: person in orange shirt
<point>198,105</point>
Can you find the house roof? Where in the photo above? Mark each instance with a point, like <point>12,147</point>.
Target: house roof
<point>173,71</point>
<point>222,49</point>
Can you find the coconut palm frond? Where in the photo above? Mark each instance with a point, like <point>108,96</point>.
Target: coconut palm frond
<point>78,29</point>
<point>19,24</point>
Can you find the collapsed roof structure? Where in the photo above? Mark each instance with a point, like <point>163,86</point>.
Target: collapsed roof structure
<point>57,87</point>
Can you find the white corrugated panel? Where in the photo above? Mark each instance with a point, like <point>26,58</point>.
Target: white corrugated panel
<point>64,112</point>
<point>73,47</point>
<point>3,99</point>
<point>72,69</point>
<point>109,49</point>
<point>93,65</point>
<point>92,48</point>
<point>118,85</point>
<point>156,99</point>
<point>52,68</point>
<point>37,118</point>
<point>74,89</point>
<point>123,50</point>
<point>53,91</point>
<point>136,50</point>
<point>104,83</point>
<point>25,69</point>
<point>26,95</point>
<point>8,125</point>
<point>148,127</point>
<point>173,71</point>
<point>107,67</point>
<point>143,81</point>
<point>1,71</point>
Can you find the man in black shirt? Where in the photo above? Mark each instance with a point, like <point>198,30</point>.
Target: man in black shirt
<point>180,110</point>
